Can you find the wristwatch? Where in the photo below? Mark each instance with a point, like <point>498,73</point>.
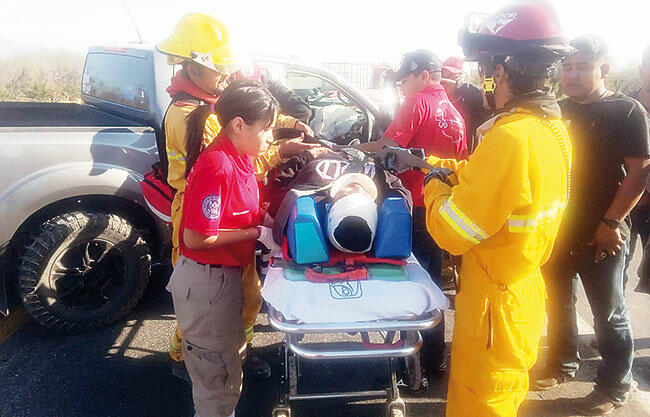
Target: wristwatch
<point>611,223</point>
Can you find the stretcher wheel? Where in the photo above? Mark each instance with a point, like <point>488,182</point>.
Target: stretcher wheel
<point>413,372</point>
<point>281,412</point>
<point>396,408</point>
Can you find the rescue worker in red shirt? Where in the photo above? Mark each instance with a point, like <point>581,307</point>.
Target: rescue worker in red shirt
<point>218,233</point>
<point>427,119</point>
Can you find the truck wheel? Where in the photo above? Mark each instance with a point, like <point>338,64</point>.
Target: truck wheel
<point>83,270</point>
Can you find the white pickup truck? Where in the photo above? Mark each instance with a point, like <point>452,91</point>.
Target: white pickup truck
<point>77,240</point>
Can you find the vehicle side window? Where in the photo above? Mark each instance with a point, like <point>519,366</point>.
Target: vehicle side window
<point>337,117</point>
<point>118,78</point>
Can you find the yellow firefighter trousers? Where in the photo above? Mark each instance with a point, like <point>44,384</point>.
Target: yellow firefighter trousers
<point>496,335</point>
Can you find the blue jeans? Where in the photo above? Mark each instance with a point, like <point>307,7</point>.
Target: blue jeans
<point>604,284</point>
<point>429,255</point>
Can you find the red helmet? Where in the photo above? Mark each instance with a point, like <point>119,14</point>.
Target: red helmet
<point>530,28</point>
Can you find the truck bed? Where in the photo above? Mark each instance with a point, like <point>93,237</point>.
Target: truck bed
<point>30,114</point>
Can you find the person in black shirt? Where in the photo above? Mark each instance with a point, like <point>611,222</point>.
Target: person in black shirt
<point>467,98</point>
<point>611,152</point>
<point>641,214</point>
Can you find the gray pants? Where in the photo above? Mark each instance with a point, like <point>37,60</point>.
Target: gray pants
<point>208,302</point>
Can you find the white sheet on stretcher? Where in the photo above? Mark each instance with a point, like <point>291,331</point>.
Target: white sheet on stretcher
<point>354,300</point>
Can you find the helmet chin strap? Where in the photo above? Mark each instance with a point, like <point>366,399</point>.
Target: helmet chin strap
<point>488,86</point>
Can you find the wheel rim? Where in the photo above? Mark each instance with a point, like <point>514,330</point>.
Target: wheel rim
<point>87,275</point>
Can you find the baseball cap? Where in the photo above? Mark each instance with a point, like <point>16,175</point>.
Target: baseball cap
<point>418,61</point>
<point>453,64</point>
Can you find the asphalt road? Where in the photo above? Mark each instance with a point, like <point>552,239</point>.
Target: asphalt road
<point>124,370</point>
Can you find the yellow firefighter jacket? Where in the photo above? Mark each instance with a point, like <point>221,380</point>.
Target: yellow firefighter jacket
<point>502,216</point>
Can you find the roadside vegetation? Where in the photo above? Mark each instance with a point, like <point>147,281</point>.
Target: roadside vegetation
<point>55,76</point>
<point>41,75</point>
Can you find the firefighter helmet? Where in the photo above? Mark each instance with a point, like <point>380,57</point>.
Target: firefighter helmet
<point>200,38</point>
<point>528,28</point>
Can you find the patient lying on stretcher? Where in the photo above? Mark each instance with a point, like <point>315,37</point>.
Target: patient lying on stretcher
<point>323,277</point>
<point>345,224</point>
<point>342,210</point>
<point>352,184</point>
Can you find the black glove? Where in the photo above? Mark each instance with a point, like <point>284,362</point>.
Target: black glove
<point>398,160</point>
<point>440,174</point>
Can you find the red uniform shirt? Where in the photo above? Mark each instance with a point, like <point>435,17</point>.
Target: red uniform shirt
<point>221,193</point>
<point>428,120</point>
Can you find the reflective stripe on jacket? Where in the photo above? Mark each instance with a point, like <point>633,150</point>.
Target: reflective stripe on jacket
<point>510,197</point>
<point>503,217</point>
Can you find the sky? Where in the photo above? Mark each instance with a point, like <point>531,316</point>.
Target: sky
<point>319,31</point>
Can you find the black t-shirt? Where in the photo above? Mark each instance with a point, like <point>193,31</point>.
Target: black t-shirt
<point>469,102</point>
<point>602,133</point>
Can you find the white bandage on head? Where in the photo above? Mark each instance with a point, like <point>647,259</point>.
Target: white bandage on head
<point>362,179</point>
<point>352,223</point>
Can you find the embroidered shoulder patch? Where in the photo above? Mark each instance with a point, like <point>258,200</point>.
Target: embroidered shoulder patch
<point>211,207</point>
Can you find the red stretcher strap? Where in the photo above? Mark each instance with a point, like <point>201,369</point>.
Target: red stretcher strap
<point>359,274</point>
<point>351,259</point>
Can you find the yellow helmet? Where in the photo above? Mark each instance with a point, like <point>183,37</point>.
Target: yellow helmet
<point>200,38</point>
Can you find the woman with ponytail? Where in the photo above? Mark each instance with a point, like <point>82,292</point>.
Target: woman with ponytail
<point>217,240</point>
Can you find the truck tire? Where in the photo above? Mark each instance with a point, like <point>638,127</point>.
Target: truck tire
<point>83,270</point>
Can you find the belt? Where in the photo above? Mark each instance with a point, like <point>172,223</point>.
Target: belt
<point>210,265</point>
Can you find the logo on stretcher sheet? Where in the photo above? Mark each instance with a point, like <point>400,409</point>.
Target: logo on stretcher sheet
<point>346,290</point>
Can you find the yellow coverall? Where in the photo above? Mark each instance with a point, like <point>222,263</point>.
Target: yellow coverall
<point>175,134</point>
<point>502,216</point>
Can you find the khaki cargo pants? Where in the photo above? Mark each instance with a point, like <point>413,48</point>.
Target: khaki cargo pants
<point>208,302</point>
<point>252,305</point>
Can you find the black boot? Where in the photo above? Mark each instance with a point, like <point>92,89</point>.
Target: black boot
<point>255,367</point>
<point>180,371</point>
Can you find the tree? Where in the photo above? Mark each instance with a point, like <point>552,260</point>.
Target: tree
<point>624,79</point>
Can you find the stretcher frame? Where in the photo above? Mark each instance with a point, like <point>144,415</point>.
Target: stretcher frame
<point>407,346</point>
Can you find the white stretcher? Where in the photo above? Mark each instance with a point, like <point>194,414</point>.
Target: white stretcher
<point>394,311</point>
<point>354,300</point>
